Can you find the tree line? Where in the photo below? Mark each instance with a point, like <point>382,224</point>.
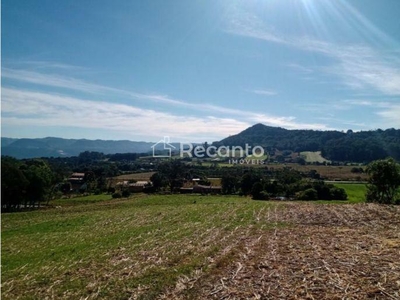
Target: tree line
<point>260,183</point>
<point>264,184</point>
<point>25,184</point>
<point>28,183</point>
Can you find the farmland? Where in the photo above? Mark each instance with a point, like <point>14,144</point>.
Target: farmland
<point>201,247</point>
<point>341,173</point>
<point>311,157</point>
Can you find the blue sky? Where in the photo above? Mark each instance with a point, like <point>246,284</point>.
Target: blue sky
<point>197,70</point>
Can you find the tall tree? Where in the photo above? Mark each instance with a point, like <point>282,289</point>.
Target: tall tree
<point>13,184</point>
<point>384,181</point>
<point>229,183</point>
<point>174,173</point>
<point>40,179</point>
<point>158,181</point>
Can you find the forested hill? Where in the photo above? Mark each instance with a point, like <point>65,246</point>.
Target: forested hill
<point>363,146</point>
<point>59,147</point>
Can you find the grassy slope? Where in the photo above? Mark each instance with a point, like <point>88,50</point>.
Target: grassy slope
<point>311,157</point>
<point>142,246</point>
<point>109,248</point>
<point>81,200</point>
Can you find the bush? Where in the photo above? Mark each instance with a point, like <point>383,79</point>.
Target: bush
<point>149,189</point>
<point>308,194</point>
<point>126,193</point>
<point>229,184</point>
<point>117,195</point>
<point>204,181</point>
<point>264,195</point>
<point>325,191</point>
<point>337,193</point>
<point>300,160</point>
<point>357,170</point>
<point>258,192</point>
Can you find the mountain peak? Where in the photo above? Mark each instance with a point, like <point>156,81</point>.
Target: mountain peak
<point>261,129</point>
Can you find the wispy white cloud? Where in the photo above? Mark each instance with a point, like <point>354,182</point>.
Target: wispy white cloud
<point>327,107</point>
<point>249,117</point>
<point>391,116</point>
<point>43,65</point>
<point>299,68</point>
<point>27,108</point>
<point>361,102</point>
<point>388,112</point>
<point>249,25</point>
<point>363,68</point>
<point>349,123</point>
<point>54,80</point>
<point>264,92</point>
<point>359,66</point>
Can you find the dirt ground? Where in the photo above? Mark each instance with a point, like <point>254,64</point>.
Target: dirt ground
<point>326,252</point>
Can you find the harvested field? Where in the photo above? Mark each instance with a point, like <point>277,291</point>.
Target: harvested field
<point>330,252</point>
<point>145,176</point>
<point>328,172</point>
<point>195,247</point>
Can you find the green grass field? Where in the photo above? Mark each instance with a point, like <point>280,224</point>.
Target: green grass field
<point>179,246</point>
<point>108,248</point>
<point>355,191</point>
<point>81,200</point>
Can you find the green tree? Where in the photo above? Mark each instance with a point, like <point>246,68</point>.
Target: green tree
<point>338,193</point>
<point>229,184</point>
<point>257,191</point>
<point>174,173</point>
<point>158,181</point>
<point>287,176</point>
<point>247,182</point>
<point>384,181</point>
<point>13,184</point>
<point>308,194</point>
<point>40,177</point>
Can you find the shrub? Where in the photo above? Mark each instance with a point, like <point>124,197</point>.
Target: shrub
<point>257,191</point>
<point>117,195</point>
<point>357,170</point>
<point>126,193</point>
<point>337,193</point>
<point>308,194</point>
<point>264,195</point>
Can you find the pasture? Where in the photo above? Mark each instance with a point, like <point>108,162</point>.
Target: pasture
<point>355,191</point>
<point>201,247</point>
<point>312,157</point>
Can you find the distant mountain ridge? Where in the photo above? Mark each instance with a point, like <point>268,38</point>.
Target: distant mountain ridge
<point>363,146</point>
<point>58,147</point>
